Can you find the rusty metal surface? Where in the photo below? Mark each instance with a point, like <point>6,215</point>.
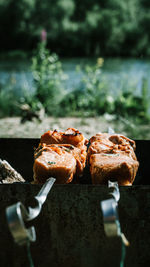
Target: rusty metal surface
<point>70,228</point>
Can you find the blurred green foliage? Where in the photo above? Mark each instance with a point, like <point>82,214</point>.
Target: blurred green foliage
<point>48,77</point>
<point>92,96</point>
<point>8,101</point>
<point>74,27</point>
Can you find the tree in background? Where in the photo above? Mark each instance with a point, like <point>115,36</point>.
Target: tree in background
<point>84,28</point>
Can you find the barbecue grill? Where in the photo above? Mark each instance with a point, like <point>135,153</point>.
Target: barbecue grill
<point>70,230</point>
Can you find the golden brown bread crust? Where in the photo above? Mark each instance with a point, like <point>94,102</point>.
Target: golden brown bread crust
<point>112,157</point>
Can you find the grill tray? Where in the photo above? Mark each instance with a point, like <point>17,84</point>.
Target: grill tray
<point>70,228</point>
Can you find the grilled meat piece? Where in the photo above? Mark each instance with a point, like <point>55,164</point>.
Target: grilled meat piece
<point>104,167</point>
<point>68,146</point>
<point>114,138</point>
<point>112,157</point>
<point>72,137</point>
<point>53,161</point>
<point>111,144</point>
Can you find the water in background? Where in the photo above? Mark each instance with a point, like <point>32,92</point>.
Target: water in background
<point>16,75</point>
<point>118,73</point>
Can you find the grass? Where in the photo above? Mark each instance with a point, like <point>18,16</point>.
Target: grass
<point>12,127</point>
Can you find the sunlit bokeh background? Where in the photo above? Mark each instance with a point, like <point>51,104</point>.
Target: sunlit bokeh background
<point>71,58</point>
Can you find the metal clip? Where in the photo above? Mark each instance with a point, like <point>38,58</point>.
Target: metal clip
<point>17,215</point>
<point>110,213</point>
<point>115,190</point>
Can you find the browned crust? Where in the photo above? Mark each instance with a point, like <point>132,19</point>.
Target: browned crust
<point>123,168</point>
<point>71,141</point>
